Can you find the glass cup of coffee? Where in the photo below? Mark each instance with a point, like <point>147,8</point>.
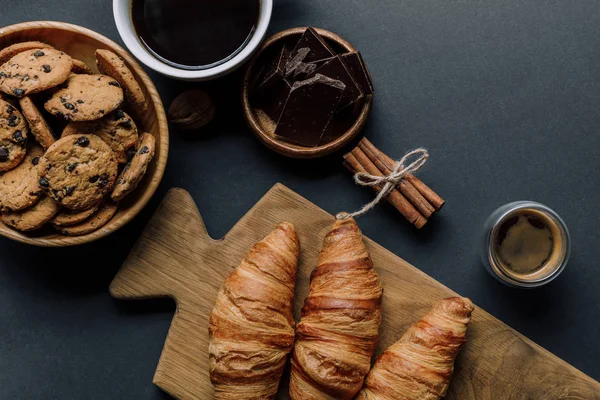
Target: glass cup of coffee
<point>526,244</point>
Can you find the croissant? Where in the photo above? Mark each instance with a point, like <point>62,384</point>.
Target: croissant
<point>339,328</point>
<point>419,366</point>
<point>252,326</point>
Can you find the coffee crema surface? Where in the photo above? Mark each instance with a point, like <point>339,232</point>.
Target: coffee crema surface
<point>528,243</point>
<point>194,34</point>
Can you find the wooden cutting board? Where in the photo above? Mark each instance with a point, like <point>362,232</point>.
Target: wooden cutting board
<point>176,258</point>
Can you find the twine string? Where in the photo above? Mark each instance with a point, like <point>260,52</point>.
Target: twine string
<point>389,182</point>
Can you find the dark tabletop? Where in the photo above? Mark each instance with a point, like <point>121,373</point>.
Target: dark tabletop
<point>504,94</point>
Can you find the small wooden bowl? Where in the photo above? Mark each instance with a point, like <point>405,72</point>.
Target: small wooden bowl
<point>81,43</point>
<point>263,127</point>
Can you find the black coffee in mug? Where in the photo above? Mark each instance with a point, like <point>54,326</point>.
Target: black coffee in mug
<point>195,34</point>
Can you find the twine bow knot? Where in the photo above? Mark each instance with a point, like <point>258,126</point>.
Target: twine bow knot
<point>389,182</point>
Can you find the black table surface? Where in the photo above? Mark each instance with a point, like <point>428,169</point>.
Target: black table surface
<point>504,94</point>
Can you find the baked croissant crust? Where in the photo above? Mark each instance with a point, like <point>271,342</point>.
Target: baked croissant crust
<point>339,328</point>
<point>419,366</point>
<point>252,325</point>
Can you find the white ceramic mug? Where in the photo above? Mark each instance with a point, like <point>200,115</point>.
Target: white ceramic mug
<point>122,14</point>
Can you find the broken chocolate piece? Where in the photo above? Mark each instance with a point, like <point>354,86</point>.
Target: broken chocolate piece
<point>339,124</point>
<point>297,57</point>
<point>308,110</point>
<point>319,49</point>
<point>356,66</point>
<point>336,69</point>
<point>274,101</point>
<point>274,72</point>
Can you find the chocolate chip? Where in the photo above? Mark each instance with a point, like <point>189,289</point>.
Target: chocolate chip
<point>94,179</point>
<point>3,75</point>
<point>69,106</point>
<point>71,167</point>
<point>37,194</point>
<point>18,92</point>
<point>144,150</point>
<point>114,83</point>
<point>57,195</point>
<point>119,114</point>
<point>79,101</point>
<point>10,109</point>
<point>13,121</point>
<point>46,68</point>
<point>103,181</point>
<point>19,138</point>
<point>68,190</point>
<point>3,153</point>
<point>44,182</point>
<point>48,167</point>
<point>82,141</point>
<point>63,99</point>
<point>126,124</point>
<point>102,111</point>
<point>35,160</point>
<point>38,53</point>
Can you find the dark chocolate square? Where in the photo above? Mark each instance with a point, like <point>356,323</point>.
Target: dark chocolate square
<point>274,99</point>
<point>355,64</point>
<point>273,73</point>
<point>308,110</point>
<point>319,49</point>
<point>336,69</point>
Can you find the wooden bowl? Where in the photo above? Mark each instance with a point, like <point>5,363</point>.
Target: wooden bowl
<point>81,43</point>
<point>263,127</point>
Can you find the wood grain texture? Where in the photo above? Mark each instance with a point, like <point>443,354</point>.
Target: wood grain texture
<point>81,43</point>
<point>176,258</point>
<point>263,127</point>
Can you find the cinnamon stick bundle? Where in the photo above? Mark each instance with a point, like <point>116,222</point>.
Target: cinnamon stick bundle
<point>411,197</point>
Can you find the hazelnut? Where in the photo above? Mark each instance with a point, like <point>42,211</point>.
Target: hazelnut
<point>192,109</point>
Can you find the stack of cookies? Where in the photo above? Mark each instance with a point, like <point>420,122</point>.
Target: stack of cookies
<point>73,182</point>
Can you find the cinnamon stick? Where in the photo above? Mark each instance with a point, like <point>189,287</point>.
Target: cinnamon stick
<point>432,197</point>
<point>357,161</point>
<point>405,187</point>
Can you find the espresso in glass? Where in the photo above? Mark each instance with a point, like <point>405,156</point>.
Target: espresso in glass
<point>194,34</point>
<point>526,244</point>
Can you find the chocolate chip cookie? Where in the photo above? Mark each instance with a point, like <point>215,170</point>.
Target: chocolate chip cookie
<point>31,218</point>
<point>19,187</point>
<point>9,52</point>
<point>69,217</point>
<point>117,130</point>
<point>95,222</point>
<point>78,170</point>
<point>33,71</point>
<point>135,170</point>
<point>79,67</point>
<point>13,136</point>
<point>37,124</point>
<point>85,98</point>
<point>112,65</point>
